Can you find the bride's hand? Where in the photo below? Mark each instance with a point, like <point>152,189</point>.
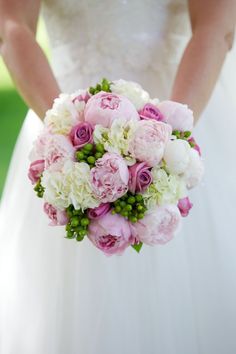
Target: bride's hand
<point>213,25</point>
<point>25,60</point>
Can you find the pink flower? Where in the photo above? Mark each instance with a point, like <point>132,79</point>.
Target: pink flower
<point>184,206</point>
<point>81,134</point>
<point>149,141</point>
<point>178,115</point>
<point>195,145</point>
<point>110,178</point>
<point>158,225</point>
<point>35,170</point>
<point>100,211</point>
<point>149,111</point>
<point>104,107</point>
<point>85,96</point>
<point>140,177</point>
<point>56,216</point>
<point>110,233</point>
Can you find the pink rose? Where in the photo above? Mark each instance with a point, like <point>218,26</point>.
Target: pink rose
<point>195,145</point>
<point>100,211</point>
<point>104,107</point>
<point>140,177</point>
<point>35,170</point>
<point>56,216</point>
<point>178,115</point>
<point>110,178</point>
<point>184,206</point>
<point>81,134</point>
<point>149,111</point>
<point>149,141</point>
<point>158,225</point>
<point>110,233</point>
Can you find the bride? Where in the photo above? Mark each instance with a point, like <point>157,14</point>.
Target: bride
<point>58,297</point>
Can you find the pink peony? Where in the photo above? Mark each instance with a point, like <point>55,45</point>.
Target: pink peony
<point>149,141</point>
<point>81,134</point>
<point>100,211</point>
<point>184,206</point>
<point>110,233</point>
<point>140,177</point>
<point>158,225</point>
<point>178,115</point>
<point>35,170</point>
<point>110,178</point>
<point>195,145</point>
<point>104,107</point>
<point>56,216</point>
<point>149,111</point>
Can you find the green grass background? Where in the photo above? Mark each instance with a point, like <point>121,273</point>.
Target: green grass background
<point>12,110</point>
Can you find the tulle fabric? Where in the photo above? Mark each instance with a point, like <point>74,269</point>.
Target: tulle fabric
<point>58,296</point>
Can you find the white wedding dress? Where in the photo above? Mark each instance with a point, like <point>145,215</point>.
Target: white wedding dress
<point>62,297</point>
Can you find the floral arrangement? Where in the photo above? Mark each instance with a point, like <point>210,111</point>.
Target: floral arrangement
<point>115,166</point>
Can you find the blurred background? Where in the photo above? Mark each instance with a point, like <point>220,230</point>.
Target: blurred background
<point>12,110</point>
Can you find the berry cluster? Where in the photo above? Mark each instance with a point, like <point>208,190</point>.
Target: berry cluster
<point>181,135</point>
<point>77,226</point>
<point>90,153</point>
<point>130,206</point>
<point>103,86</point>
<point>39,189</point>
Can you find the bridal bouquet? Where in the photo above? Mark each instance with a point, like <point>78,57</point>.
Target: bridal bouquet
<point>115,166</point>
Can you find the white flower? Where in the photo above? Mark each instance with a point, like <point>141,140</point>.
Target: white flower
<point>132,90</point>
<point>165,189</point>
<point>154,101</point>
<point>194,171</point>
<point>63,115</point>
<point>177,155</point>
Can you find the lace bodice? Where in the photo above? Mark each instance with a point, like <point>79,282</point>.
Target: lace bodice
<point>131,39</point>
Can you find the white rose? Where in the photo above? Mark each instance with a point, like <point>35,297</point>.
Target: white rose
<point>63,115</point>
<point>132,90</point>
<point>194,171</point>
<point>177,155</point>
<point>178,115</point>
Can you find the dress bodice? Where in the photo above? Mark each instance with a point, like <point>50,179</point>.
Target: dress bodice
<point>131,39</point>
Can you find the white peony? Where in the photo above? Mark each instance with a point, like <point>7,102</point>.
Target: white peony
<point>63,114</point>
<point>194,171</point>
<point>177,155</point>
<point>132,90</point>
<point>165,189</point>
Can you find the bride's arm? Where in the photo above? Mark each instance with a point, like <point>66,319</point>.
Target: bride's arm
<point>23,57</point>
<point>213,25</point>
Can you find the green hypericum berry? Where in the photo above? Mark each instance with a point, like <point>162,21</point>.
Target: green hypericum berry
<point>82,233</point>
<point>100,148</point>
<point>187,134</point>
<point>128,207</point>
<point>139,198</point>
<point>79,238</point>
<point>117,208</point>
<point>140,216</point>
<point>98,155</point>
<point>113,211</point>
<point>88,147</point>
<point>68,227</point>
<point>131,200</point>
<point>79,155</point>
<point>122,203</point>
<point>140,207</point>
<point>91,90</point>
<point>84,221</point>
<point>74,221</point>
<point>124,213</point>
<point>133,219</point>
<point>70,234</point>
<point>91,160</point>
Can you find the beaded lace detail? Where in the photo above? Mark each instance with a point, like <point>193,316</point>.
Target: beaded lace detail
<point>131,39</point>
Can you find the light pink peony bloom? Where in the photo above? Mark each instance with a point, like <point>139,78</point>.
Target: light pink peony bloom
<point>100,211</point>
<point>158,225</point>
<point>56,216</point>
<point>140,177</point>
<point>149,141</point>
<point>81,134</point>
<point>35,170</point>
<point>104,107</point>
<point>178,115</point>
<point>110,233</point>
<point>110,178</point>
<point>196,146</point>
<point>149,111</point>
<point>184,206</point>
